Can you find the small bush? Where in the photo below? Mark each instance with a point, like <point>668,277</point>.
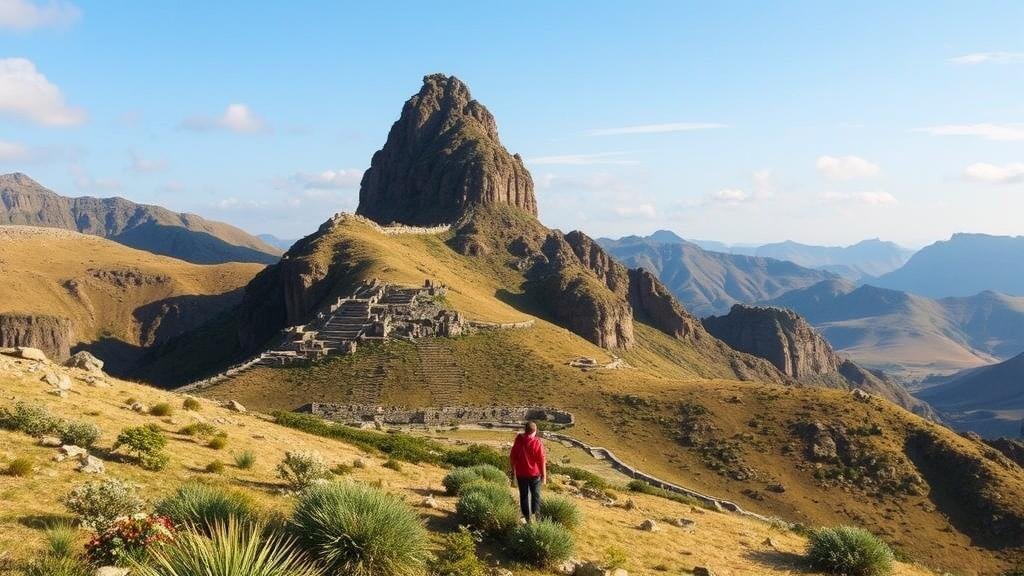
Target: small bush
<point>215,467</point>
<point>392,464</point>
<point>58,566</point>
<point>32,420</point>
<point>487,507</point>
<point>342,469</point>
<point>81,434</point>
<point>645,488</point>
<point>849,551</point>
<point>161,409</point>
<point>399,446</point>
<point>146,443</point>
<point>476,454</point>
<point>191,404</point>
<point>360,531</point>
<point>457,556</point>
<point>217,442</point>
<point>200,429</point>
<point>245,459</point>
<point>588,478</point>
<point>615,558</point>
<point>62,540</point>
<point>562,511</point>
<point>542,544</point>
<point>21,466</point>
<point>458,478</point>
<point>230,549</point>
<point>96,504</point>
<point>204,506</point>
<point>303,469</point>
<point>130,540</point>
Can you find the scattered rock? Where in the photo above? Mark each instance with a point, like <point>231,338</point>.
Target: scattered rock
<point>90,464</point>
<point>589,568</point>
<point>776,487</point>
<point>112,571</point>
<point>568,567</point>
<point>769,542</point>
<point>649,526</point>
<point>50,441</point>
<point>629,504</point>
<point>50,378</point>
<point>702,571</point>
<point>59,393</point>
<point>861,396</point>
<point>70,451</point>
<point>139,407</point>
<point>683,522</point>
<point>429,502</point>
<point>233,406</point>
<point>30,353</point>
<point>85,361</point>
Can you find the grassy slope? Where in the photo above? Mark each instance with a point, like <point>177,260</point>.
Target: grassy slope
<point>729,544</point>
<point>529,366</point>
<point>37,262</point>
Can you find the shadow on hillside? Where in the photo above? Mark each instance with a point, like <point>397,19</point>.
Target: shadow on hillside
<point>783,561</point>
<point>163,320</point>
<point>189,245</point>
<point>118,356</point>
<point>522,302</point>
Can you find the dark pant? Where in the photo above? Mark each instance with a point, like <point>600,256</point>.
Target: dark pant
<point>529,496</point>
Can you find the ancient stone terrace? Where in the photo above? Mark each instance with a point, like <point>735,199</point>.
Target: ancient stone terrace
<point>444,416</point>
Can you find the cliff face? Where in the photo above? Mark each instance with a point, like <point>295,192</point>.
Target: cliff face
<point>441,156</point>
<point>51,334</point>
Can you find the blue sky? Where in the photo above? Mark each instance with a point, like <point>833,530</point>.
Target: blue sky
<point>734,121</point>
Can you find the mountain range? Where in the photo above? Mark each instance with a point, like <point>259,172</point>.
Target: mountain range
<point>988,400</point>
<point>188,237</point>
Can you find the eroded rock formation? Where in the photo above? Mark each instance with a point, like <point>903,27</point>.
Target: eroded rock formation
<point>51,334</point>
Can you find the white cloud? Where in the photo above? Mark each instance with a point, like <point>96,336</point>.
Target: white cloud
<point>236,118</point>
<point>641,211</point>
<point>25,15</point>
<point>582,159</point>
<point>25,93</point>
<point>983,57</point>
<point>13,152</point>
<point>235,203</point>
<point>656,128</point>
<point>729,197</point>
<point>328,179</point>
<point>140,164</point>
<point>846,167</point>
<point>1000,132</point>
<point>993,174</point>
<point>879,198</point>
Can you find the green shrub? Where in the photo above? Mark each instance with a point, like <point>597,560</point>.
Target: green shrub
<point>392,464</point>
<point>645,488</point>
<point>487,507</point>
<point>245,459</point>
<point>849,551</point>
<point>215,467</point>
<point>200,429</point>
<point>161,409</point>
<point>542,544</point>
<point>81,434</point>
<point>96,504</point>
<point>457,556</point>
<point>588,478</point>
<point>217,442</point>
<point>21,466</point>
<point>303,469</point>
<point>476,454</point>
<point>396,445</point>
<point>58,566</point>
<point>146,443</point>
<point>615,558</point>
<point>342,469</point>
<point>62,540</point>
<point>360,531</point>
<point>32,420</point>
<point>561,510</point>
<point>458,478</point>
<point>204,506</point>
<point>231,549</point>
<point>191,404</point>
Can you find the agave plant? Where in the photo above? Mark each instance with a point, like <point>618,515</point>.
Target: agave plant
<point>231,549</point>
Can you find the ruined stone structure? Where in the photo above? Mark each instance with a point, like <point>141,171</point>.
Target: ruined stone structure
<point>444,416</point>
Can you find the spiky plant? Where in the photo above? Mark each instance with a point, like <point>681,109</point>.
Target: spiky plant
<point>849,551</point>
<point>204,506</point>
<point>561,510</point>
<point>541,544</point>
<point>62,540</point>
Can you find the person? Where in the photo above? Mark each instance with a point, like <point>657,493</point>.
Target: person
<point>529,469</point>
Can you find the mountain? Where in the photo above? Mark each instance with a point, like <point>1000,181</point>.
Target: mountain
<point>794,347</point>
<point>961,266</point>
<point>988,400</point>
<point>279,243</point>
<point>188,237</point>
<point>710,282</point>
<point>63,291</point>
<point>907,335</point>
<point>864,259</point>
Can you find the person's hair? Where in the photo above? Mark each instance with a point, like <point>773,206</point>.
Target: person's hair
<point>530,427</point>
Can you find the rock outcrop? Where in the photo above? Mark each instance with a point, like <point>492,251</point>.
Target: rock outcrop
<point>51,334</point>
<point>442,156</point>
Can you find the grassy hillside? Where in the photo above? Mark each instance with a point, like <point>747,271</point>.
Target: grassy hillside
<point>728,544</point>
<point>116,298</point>
<point>679,411</point>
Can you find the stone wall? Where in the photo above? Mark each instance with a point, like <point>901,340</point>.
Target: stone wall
<point>449,415</point>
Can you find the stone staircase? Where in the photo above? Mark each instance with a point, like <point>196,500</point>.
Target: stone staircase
<point>350,321</point>
<point>444,378</point>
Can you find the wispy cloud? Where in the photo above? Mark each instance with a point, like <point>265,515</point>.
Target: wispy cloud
<point>995,57</point>
<point>145,165</point>
<point>846,167</point>
<point>238,118</point>
<point>583,159</point>
<point>875,198</point>
<point>326,180</point>
<point>26,15</point>
<point>728,197</point>
<point>993,174</point>
<point>13,152</point>
<point>999,132</point>
<point>636,211</point>
<point>25,93</point>
<point>656,128</point>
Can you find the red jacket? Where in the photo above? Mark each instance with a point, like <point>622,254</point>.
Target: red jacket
<point>528,456</point>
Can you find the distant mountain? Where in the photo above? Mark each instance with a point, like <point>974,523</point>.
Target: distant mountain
<point>988,400</point>
<point>909,335</point>
<point>281,243</point>
<point>23,201</point>
<point>710,282</point>
<point>961,266</point>
<point>866,258</point>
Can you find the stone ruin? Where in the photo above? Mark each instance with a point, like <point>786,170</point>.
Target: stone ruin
<point>445,416</point>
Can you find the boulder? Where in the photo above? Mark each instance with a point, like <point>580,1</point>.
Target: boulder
<point>233,406</point>
<point>429,502</point>
<point>50,441</point>
<point>70,451</point>
<point>90,464</point>
<point>139,407</point>
<point>649,525</point>
<point>30,353</point>
<point>702,571</point>
<point>861,396</point>
<point>85,361</point>
<point>112,571</point>
<point>683,522</point>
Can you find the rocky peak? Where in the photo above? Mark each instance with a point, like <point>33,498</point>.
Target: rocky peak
<point>442,156</point>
